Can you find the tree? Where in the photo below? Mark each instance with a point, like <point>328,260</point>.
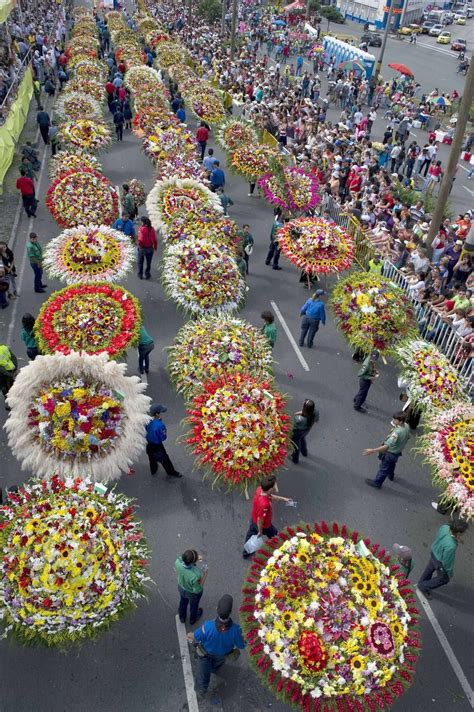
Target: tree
<point>332,15</point>
<point>210,10</point>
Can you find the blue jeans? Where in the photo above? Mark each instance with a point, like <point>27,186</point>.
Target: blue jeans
<point>309,326</point>
<point>299,445</point>
<point>388,460</point>
<point>144,357</point>
<point>38,276</point>
<point>364,386</point>
<point>205,666</point>
<point>193,599</point>
<point>253,529</point>
<point>427,582</point>
<point>273,252</point>
<point>145,253</point>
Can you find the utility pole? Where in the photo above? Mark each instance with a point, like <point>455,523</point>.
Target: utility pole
<point>448,177</point>
<point>307,9</point>
<point>190,14</point>
<point>233,28</point>
<point>224,11</point>
<point>378,66</point>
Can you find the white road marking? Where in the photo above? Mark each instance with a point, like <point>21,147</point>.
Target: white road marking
<point>463,167</point>
<point>468,190</point>
<point>458,671</point>
<point>187,669</point>
<point>13,320</point>
<point>290,336</point>
<point>436,49</point>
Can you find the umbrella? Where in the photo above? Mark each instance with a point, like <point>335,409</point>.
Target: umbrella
<point>440,100</point>
<point>280,23</point>
<point>402,68</point>
<point>351,65</point>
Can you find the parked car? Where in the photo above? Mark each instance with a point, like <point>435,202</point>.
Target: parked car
<point>448,18</point>
<point>459,45</point>
<point>426,27</point>
<point>461,21</point>
<point>436,30</point>
<point>409,29</point>
<point>373,39</point>
<point>444,37</point>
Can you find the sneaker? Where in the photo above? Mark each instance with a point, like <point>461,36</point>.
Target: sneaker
<point>371,483</point>
<point>434,505</point>
<point>182,620</point>
<point>360,409</point>
<point>426,594</point>
<point>276,267</point>
<point>176,474</point>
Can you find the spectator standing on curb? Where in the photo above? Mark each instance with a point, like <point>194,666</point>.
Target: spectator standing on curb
<point>389,452</point>
<point>35,255</point>
<point>443,554</point>
<point>155,436</point>
<point>366,374</point>
<point>191,579</point>
<point>262,509</point>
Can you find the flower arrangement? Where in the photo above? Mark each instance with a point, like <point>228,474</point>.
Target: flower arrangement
<point>170,53</point>
<point>239,429</point>
<point>169,141</point>
<point>74,106</point>
<point>137,189</point>
<point>147,24</point>
<point>329,620</point>
<point>291,188</point>
<point>82,46</point>
<point>206,104</point>
<point>151,119</point>
<point>85,54</point>
<point>130,53</point>
<point>202,278</point>
<point>234,133</point>
<point>94,318</point>
<point>205,225</point>
<point>142,78</point>
<point>169,197</point>
<point>85,85</point>
<point>65,161</point>
<point>431,380</point>
<point>371,312</point>
<point>252,160</point>
<point>182,167</point>
<point>215,347</point>
<point>448,447</point>
<point>91,69</point>
<point>87,254</point>
<point>82,198</point>
<point>85,134</point>
<point>154,37</point>
<point>316,245</point>
<point>74,561</point>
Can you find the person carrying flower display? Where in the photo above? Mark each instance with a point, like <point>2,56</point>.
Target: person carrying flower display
<point>274,250</point>
<point>262,510</point>
<point>147,245</point>
<point>366,374</point>
<point>390,451</point>
<point>155,437</point>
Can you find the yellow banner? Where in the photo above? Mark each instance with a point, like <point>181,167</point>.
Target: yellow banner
<point>13,126</point>
<point>6,6</point>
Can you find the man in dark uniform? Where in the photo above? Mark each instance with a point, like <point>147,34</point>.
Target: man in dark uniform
<point>155,437</point>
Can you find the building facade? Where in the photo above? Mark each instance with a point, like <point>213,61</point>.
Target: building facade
<point>375,12</point>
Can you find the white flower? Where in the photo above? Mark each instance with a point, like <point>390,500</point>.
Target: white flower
<point>316,692</point>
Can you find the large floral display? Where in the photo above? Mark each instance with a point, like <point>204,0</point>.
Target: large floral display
<point>239,429</point>
<point>93,318</point>
<point>65,161</point>
<point>85,134</point>
<point>430,378</point>
<point>81,198</point>
<point>316,245</point>
<point>214,347</point>
<point>252,160</point>
<point>169,197</point>
<point>73,562</point>
<point>235,132</point>
<point>290,188</point>
<point>77,414</point>
<point>87,86</point>
<point>330,621</point>
<point>448,446</point>
<point>73,107</point>
<point>91,69</point>
<point>371,312</point>
<point>202,278</point>
<point>88,254</point>
<point>142,78</point>
<point>205,224</point>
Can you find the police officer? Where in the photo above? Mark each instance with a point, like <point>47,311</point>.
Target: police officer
<point>390,451</point>
<point>214,641</point>
<point>155,437</point>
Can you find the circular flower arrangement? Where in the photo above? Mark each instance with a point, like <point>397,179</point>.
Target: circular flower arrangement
<point>371,311</point>
<point>448,446</point>
<point>431,380</point>
<point>206,104</point>
<point>146,25</point>
<point>293,190</point>
<point>152,101</point>
<point>234,133</point>
<point>82,55</point>
<point>81,48</point>
<point>87,254</point>
<point>137,189</point>
<point>85,134</point>
<point>91,69</point>
<point>152,119</point>
<point>169,141</point>
<point>142,78</point>
<point>182,167</point>
<point>154,37</point>
<point>65,161</point>
<point>206,225</point>
<point>202,278</point>
<point>73,562</point>
<point>329,621</point>
<point>240,429</point>
<point>131,54</point>
<point>86,86</point>
<point>94,318</point>
<point>170,53</point>
<point>82,198</point>
<point>215,347</point>
<point>72,107</point>
<point>252,160</point>
<point>169,197</point>
<point>316,245</point>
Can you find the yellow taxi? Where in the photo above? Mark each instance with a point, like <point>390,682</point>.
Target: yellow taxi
<point>444,37</point>
<point>409,30</point>
<point>461,21</point>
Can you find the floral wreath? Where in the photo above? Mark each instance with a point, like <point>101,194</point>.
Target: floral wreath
<point>202,278</point>
<point>65,161</point>
<point>169,141</point>
<point>329,620</point>
<point>91,69</point>
<point>252,160</point>
<point>431,380</point>
<point>168,197</point>
<point>146,25</point>
<point>234,133</point>
<point>171,53</point>
<point>182,167</point>
<point>448,447</point>
<point>252,415</point>
<point>154,37</point>
<point>143,78</point>
<point>215,347</point>
<point>206,104</point>
<point>85,134</point>
<point>316,245</point>
<point>150,119</point>
<point>87,254</point>
<point>371,312</point>
<point>74,106</point>
<point>294,190</point>
<point>205,224</point>
<point>82,197</point>
<point>93,318</point>
<point>137,190</point>
<point>74,561</point>
<point>86,85</point>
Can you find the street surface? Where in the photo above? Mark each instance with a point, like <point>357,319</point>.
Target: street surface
<point>137,666</point>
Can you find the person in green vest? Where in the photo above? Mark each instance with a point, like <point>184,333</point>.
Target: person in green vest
<point>35,255</point>
<point>128,202</point>
<point>375,265</point>
<point>443,554</point>
<point>247,243</point>
<point>8,370</point>
<point>269,328</point>
<point>191,579</point>
<point>366,374</point>
<point>28,336</point>
<point>390,451</point>
<point>145,347</point>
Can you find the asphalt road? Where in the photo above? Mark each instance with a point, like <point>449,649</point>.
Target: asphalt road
<point>137,665</point>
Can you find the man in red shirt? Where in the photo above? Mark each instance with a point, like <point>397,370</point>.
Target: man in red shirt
<point>147,245</point>
<point>27,189</point>
<point>262,507</point>
<point>202,137</point>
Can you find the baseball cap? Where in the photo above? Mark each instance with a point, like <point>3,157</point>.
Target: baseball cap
<point>157,408</point>
<point>320,292</point>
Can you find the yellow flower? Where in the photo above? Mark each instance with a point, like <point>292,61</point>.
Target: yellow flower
<point>357,663</point>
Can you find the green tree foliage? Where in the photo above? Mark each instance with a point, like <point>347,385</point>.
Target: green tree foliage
<point>210,10</point>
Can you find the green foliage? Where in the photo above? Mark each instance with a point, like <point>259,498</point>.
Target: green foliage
<point>210,10</point>
<point>332,15</point>
<point>408,196</point>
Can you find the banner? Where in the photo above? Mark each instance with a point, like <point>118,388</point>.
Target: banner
<point>6,6</point>
<point>13,126</point>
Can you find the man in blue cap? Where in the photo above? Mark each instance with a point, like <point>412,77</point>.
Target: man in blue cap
<point>214,641</point>
<point>155,437</point>
<point>313,313</point>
